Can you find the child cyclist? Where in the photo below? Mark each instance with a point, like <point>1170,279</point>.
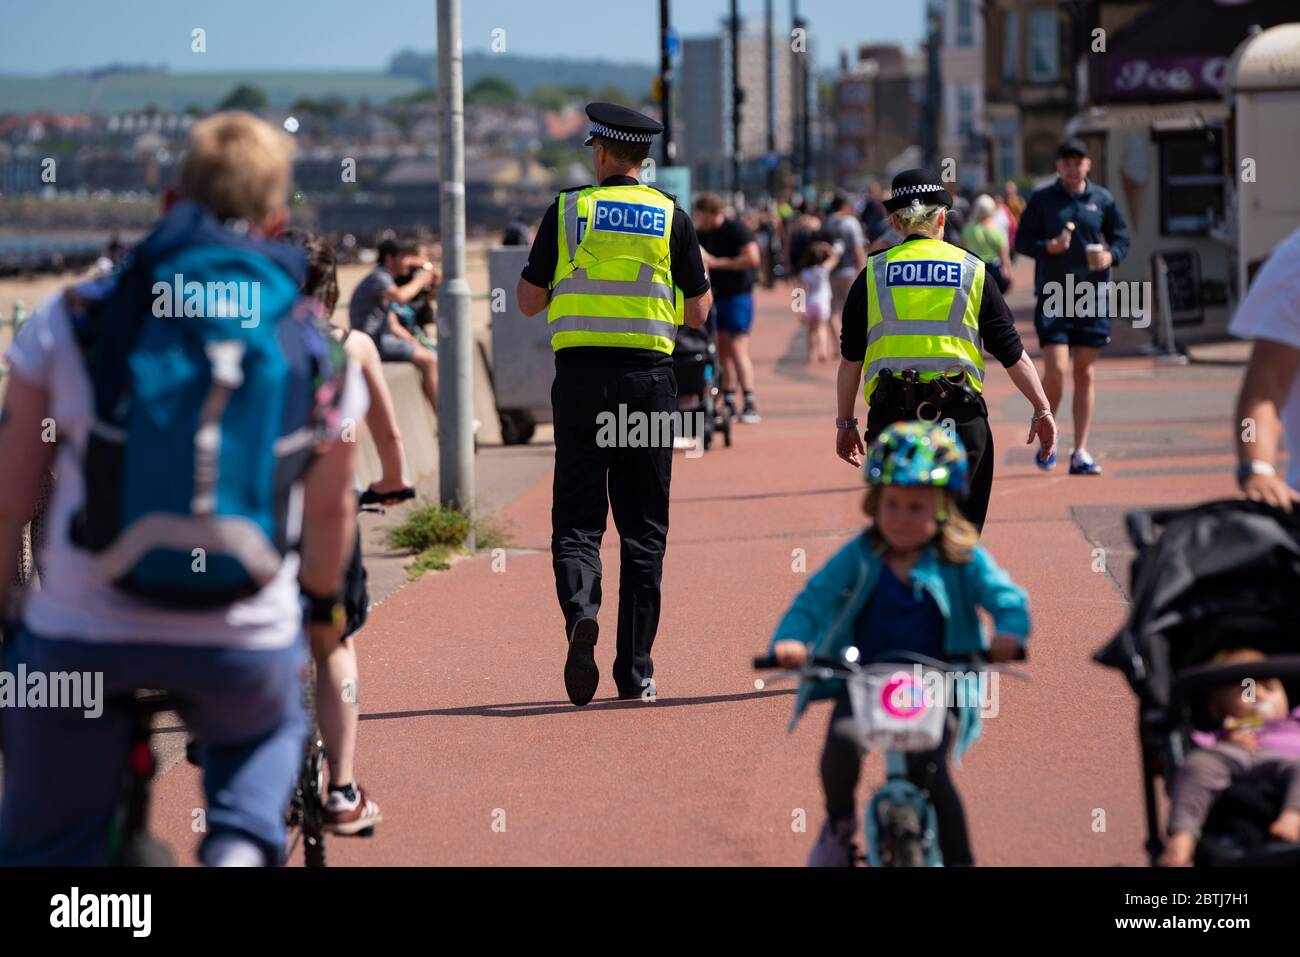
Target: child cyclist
<point>911,582</point>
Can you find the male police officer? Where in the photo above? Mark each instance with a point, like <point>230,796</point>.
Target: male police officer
<point>919,316</point>
<point>618,269</point>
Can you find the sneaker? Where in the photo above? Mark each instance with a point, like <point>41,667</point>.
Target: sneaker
<point>750,414</point>
<point>581,675</point>
<point>834,847</point>
<point>1046,464</point>
<point>344,816</point>
<point>1081,463</point>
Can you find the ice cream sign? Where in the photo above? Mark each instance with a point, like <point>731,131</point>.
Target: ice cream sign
<point>1152,78</point>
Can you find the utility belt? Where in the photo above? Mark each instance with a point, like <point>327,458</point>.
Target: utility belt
<point>904,394</point>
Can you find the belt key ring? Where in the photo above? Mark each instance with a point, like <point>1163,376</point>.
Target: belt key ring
<point>920,413</point>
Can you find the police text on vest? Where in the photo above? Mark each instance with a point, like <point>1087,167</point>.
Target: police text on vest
<point>614,217</point>
<point>922,272</point>
<point>134,911</point>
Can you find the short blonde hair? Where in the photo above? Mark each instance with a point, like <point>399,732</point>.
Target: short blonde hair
<point>237,166</point>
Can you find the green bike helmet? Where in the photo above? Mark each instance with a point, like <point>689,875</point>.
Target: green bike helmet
<point>917,453</point>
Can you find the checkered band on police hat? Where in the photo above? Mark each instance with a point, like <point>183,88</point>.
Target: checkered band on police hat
<point>909,190</point>
<point>609,133</point>
<point>916,185</point>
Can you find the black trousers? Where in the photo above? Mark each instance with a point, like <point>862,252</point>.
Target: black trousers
<point>971,420</point>
<point>594,475</point>
<point>841,765</point>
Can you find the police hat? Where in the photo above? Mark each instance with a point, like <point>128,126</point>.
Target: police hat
<point>916,184</point>
<point>613,122</point>
<point>1072,147</point>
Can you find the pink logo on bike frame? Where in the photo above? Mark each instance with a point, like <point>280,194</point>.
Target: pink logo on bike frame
<point>902,696</point>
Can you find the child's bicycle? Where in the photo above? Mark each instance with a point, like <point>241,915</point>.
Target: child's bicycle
<point>895,712</point>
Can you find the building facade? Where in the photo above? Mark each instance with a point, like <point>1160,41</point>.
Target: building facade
<point>705,143</point>
<point>1032,82</point>
<point>876,110</point>
<point>962,139</point>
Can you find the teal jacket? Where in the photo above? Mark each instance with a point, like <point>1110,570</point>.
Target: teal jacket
<point>824,613</point>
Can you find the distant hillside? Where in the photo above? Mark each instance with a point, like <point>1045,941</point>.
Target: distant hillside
<point>409,71</point>
<point>529,72</point>
<point>122,92</point>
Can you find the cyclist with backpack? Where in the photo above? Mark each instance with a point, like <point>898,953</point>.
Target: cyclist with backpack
<point>201,491</point>
<point>911,582</point>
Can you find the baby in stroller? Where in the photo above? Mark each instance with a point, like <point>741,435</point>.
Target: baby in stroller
<point>1259,734</point>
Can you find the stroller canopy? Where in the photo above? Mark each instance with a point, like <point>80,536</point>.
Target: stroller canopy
<point>1220,575</point>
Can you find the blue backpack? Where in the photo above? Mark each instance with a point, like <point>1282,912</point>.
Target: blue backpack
<point>209,383</point>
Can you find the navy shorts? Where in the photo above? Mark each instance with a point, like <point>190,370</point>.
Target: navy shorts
<point>1093,331</point>
<point>735,313</point>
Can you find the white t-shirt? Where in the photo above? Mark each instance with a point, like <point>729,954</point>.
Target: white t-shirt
<point>1271,310</point>
<point>816,281</point>
<point>74,601</point>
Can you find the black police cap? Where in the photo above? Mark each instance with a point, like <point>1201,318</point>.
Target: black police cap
<point>917,184</point>
<point>613,122</point>
<point>1072,147</point>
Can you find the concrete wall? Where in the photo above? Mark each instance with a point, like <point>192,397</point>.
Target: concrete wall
<point>419,425</point>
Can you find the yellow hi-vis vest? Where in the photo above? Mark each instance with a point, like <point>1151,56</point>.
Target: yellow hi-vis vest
<point>923,306</point>
<point>613,283</point>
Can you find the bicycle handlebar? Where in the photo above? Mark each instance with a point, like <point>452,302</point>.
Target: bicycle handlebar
<point>849,668</point>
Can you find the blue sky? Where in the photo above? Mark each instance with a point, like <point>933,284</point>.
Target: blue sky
<point>41,36</point>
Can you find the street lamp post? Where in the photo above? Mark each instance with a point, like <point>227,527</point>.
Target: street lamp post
<point>737,98</point>
<point>666,81</point>
<point>455,334</point>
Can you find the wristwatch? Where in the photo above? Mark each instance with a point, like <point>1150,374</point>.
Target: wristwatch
<point>846,423</point>
<point>1253,467</point>
<point>326,610</point>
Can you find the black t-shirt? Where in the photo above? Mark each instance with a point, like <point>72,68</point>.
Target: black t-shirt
<point>997,327</point>
<point>725,242</point>
<point>687,269</point>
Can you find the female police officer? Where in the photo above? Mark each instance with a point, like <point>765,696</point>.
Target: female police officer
<point>919,317</point>
<point>618,268</point>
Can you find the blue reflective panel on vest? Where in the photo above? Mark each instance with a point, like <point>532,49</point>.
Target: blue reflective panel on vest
<point>614,217</point>
<point>923,272</point>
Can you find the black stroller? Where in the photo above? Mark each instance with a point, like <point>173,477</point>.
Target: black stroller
<point>697,370</point>
<point>1219,575</point>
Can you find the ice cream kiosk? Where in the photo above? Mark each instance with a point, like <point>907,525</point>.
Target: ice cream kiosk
<point>1264,95</point>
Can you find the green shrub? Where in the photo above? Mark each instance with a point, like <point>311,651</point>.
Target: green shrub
<point>435,534</point>
<point>426,526</point>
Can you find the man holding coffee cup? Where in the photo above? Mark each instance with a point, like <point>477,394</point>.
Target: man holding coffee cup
<point>1072,228</point>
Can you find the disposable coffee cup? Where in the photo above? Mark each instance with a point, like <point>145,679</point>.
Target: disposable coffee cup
<point>1094,251</point>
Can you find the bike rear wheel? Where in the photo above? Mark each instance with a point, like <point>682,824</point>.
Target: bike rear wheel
<point>306,811</point>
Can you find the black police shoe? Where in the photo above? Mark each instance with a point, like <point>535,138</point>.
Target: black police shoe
<point>648,692</point>
<point>581,676</point>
